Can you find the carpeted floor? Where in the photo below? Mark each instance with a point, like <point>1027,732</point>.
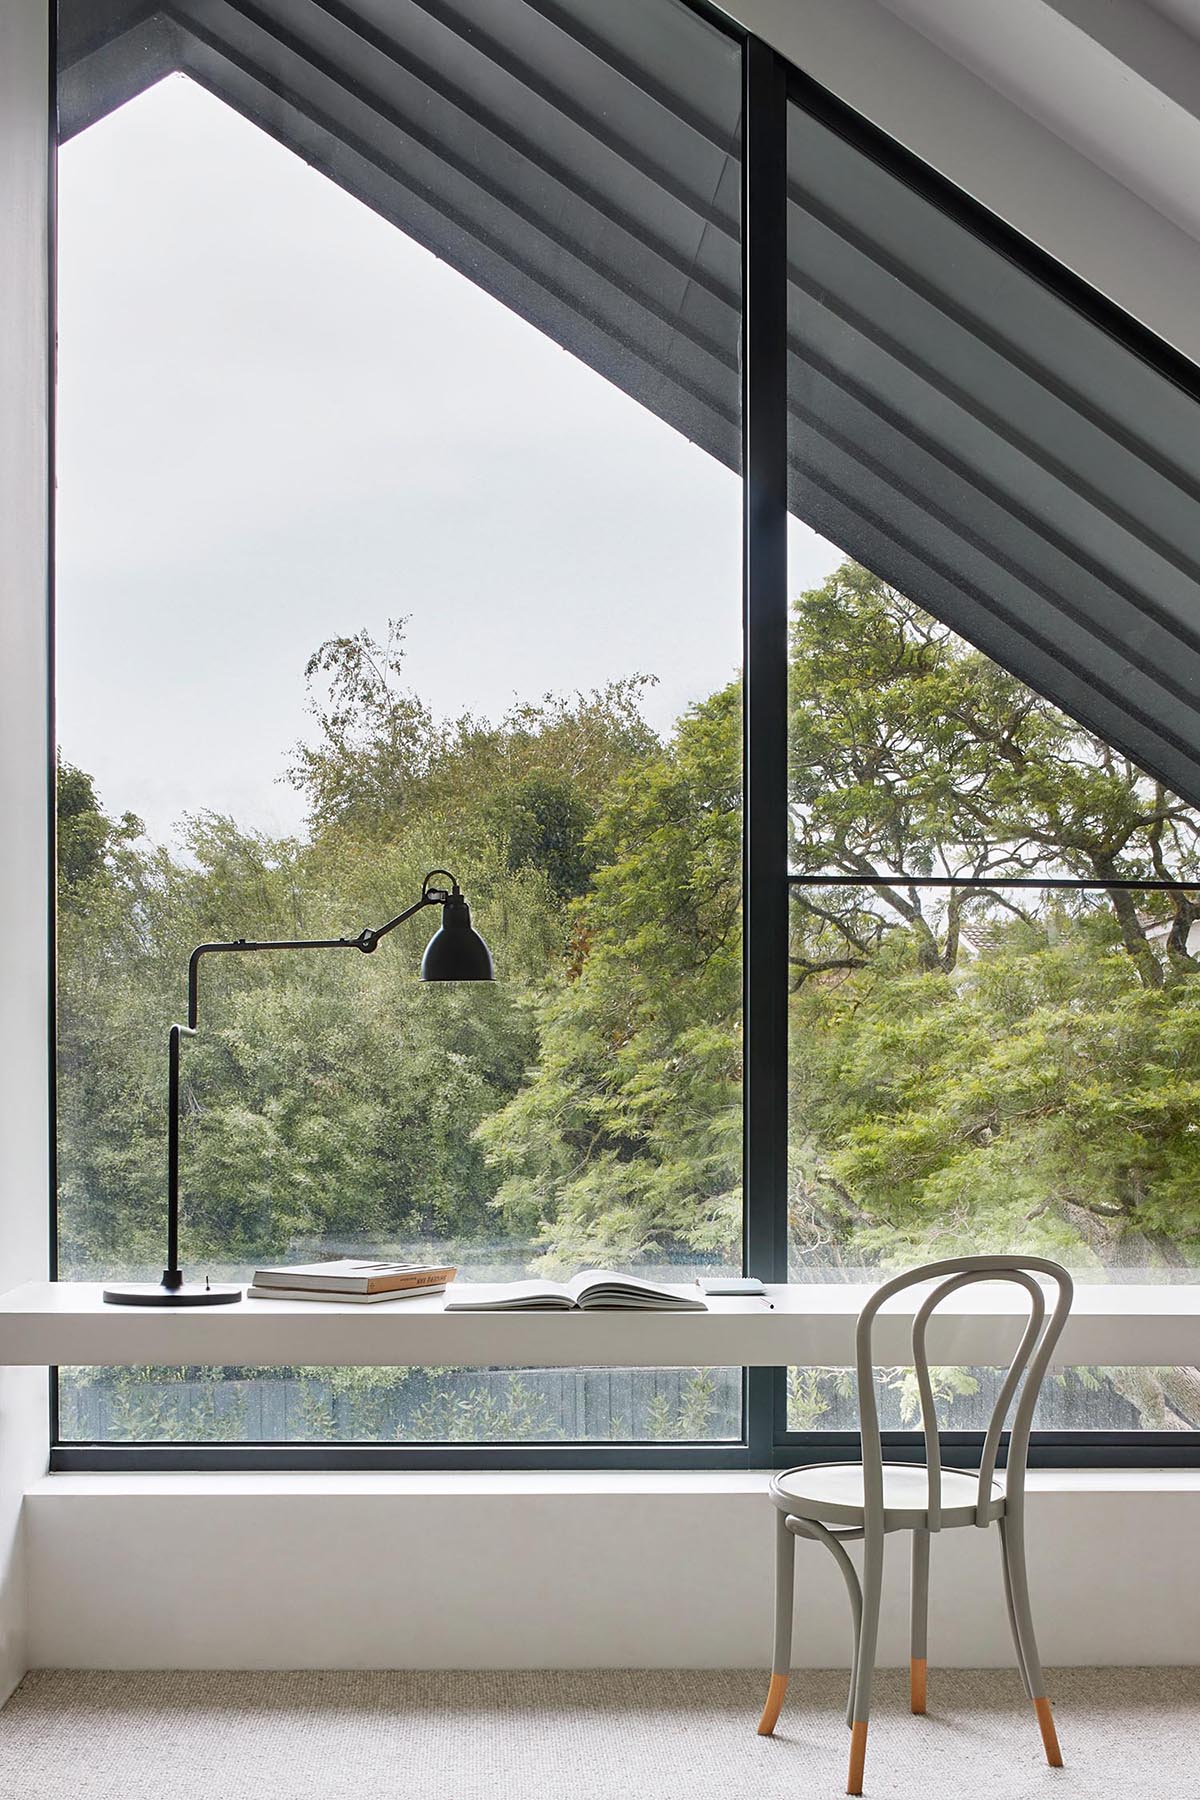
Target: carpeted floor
<point>608,1735</point>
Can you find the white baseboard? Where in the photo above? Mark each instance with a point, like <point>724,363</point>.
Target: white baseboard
<point>565,1571</point>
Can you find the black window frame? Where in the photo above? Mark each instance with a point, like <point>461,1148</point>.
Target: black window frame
<point>769,85</point>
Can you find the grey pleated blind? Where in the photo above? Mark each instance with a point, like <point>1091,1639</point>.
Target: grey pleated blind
<point>979,442</point>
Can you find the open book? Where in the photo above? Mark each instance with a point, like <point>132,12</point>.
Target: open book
<point>593,1290</point>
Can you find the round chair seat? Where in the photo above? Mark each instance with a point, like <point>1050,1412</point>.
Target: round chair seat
<point>832,1493</point>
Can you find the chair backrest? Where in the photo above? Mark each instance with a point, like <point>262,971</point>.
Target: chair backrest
<point>1032,1359</point>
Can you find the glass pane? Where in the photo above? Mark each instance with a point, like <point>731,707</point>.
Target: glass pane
<point>1071,1400</point>
<point>359,573</point>
<point>995,1069</point>
<point>457,1406</point>
<point>977,1066</point>
<point>963,431</point>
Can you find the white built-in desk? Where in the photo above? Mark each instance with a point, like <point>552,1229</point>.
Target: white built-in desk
<point>68,1324</point>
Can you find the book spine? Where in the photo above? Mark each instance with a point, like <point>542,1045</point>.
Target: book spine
<point>352,1284</point>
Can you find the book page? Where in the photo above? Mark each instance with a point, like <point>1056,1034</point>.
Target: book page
<point>589,1280</point>
<point>514,1296</point>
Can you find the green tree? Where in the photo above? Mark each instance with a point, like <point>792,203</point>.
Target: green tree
<point>543,823</point>
<point>909,751</point>
<point>972,1066</point>
<point>328,1100</point>
<point>626,1142</point>
<point>86,836</point>
<point>382,762</point>
<point>1035,1093</point>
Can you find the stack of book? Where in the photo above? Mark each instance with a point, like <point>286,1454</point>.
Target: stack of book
<point>346,1279</point>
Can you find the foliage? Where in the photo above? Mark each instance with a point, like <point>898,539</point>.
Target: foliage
<point>972,1066</point>
<point>518,1415</point>
<point>625,1144</point>
<point>693,1420</point>
<point>908,751</point>
<point>86,838</point>
<point>144,1405</point>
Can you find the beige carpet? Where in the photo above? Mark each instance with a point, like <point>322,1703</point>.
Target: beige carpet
<point>611,1735</point>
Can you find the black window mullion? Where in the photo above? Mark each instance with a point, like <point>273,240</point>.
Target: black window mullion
<point>765,891</point>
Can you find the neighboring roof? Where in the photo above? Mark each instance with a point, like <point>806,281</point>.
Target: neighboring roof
<point>963,422</point>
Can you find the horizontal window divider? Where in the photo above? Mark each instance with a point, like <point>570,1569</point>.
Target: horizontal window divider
<point>1047,1449</point>
<point>1071,882</point>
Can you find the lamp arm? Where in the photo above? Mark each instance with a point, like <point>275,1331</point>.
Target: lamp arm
<point>366,941</point>
<point>429,897</point>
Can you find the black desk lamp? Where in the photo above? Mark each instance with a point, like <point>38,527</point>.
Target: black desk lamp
<point>455,953</point>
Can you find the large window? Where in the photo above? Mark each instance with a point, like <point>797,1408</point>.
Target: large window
<point>998,1052</point>
<point>993,981</point>
<point>363,571</point>
<point>777,673</point>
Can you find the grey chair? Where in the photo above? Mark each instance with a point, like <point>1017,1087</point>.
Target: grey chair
<point>837,1503</point>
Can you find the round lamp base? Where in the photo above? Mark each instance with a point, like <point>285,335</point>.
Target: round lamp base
<point>153,1293</point>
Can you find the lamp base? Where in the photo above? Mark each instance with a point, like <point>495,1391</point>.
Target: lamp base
<point>154,1293</point>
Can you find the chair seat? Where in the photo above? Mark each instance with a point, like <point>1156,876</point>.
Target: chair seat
<point>832,1493</point>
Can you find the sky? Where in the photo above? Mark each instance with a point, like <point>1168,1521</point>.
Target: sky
<point>281,420</point>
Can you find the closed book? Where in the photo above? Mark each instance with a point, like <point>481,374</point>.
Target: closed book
<point>730,1287</point>
<point>348,1275</point>
<point>330,1297</point>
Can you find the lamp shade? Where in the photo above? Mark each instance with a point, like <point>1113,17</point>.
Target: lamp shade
<point>456,952</point>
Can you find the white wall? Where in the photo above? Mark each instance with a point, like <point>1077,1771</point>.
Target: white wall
<point>24,288</point>
<point>571,1571</point>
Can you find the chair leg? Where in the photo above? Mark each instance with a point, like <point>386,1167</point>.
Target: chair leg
<point>781,1663</point>
<point>868,1637</point>
<point>854,1590</point>
<point>1012,1539</point>
<point>820,1534</point>
<point>1012,1613</point>
<point>919,1601</point>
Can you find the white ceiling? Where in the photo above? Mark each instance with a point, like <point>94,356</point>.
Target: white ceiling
<point>1076,120</point>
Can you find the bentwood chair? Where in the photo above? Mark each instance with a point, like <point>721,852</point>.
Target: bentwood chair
<point>837,1503</point>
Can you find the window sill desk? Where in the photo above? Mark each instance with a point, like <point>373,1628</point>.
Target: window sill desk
<point>810,1324</point>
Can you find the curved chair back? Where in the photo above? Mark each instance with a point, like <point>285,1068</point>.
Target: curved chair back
<point>1031,1360</point>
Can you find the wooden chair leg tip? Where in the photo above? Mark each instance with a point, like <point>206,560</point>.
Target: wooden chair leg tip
<point>858,1756</point>
<point>1045,1719</point>
<point>917,1683</point>
<point>774,1705</point>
